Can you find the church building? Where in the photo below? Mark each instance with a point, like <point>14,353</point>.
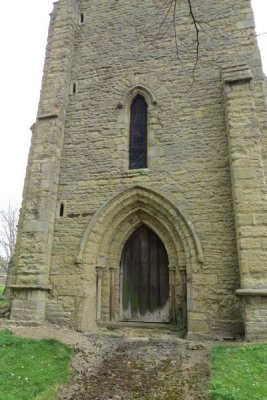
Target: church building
<point>145,201</point>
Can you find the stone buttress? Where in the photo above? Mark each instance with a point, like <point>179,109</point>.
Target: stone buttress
<point>249,196</point>
<point>30,280</point>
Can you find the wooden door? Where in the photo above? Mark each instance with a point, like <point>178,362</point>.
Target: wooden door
<point>144,278</point>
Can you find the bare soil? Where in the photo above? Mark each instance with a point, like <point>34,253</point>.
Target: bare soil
<point>109,366</point>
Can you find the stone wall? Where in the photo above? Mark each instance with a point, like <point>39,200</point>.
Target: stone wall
<point>95,64</point>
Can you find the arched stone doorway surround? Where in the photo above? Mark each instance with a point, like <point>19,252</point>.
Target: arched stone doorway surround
<point>98,302</point>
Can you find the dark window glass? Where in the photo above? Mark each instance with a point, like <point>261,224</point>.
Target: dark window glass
<point>138,134</point>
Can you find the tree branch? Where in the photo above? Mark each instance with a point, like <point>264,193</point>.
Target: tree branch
<point>8,233</point>
<point>175,32</point>
<point>196,24</point>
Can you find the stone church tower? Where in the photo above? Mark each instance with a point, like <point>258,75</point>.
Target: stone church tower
<point>145,200</point>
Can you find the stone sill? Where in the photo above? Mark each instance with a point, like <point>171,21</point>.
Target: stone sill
<point>30,287</point>
<point>136,324</point>
<point>138,172</point>
<point>251,292</point>
<point>42,117</point>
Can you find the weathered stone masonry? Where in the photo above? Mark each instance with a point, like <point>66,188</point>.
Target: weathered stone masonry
<point>203,193</point>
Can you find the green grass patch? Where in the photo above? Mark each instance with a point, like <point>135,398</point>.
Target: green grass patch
<point>32,369</point>
<point>1,291</point>
<point>239,372</point>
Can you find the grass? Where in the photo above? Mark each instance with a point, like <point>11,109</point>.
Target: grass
<point>32,369</point>
<point>239,372</point>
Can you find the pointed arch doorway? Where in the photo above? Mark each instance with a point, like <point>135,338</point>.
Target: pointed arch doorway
<point>144,278</point>
<point>101,253</point>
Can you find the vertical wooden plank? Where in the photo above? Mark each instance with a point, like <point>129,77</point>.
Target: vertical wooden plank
<point>126,279</point>
<point>163,276</point>
<point>135,275</point>
<point>154,280</point>
<point>144,284</point>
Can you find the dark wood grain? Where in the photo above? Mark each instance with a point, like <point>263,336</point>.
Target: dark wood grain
<point>145,277</point>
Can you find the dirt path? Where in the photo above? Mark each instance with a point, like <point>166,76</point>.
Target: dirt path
<point>109,367</point>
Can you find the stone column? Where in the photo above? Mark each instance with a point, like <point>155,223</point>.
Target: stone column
<point>30,280</point>
<point>99,283</point>
<point>249,196</point>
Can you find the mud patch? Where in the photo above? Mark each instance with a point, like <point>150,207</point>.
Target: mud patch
<point>161,369</point>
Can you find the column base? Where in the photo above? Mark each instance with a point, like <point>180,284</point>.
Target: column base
<point>255,313</point>
<point>28,306</point>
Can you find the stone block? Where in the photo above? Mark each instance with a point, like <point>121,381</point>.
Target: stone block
<point>245,173</point>
<point>205,279</point>
<point>198,316</point>
<point>35,226</point>
<point>198,327</point>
